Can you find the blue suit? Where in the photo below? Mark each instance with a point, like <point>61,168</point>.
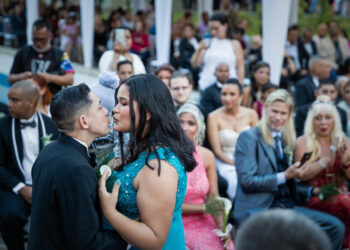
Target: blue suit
<point>257,169</point>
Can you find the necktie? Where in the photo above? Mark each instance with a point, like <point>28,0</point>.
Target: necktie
<point>278,149</point>
<point>23,125</point>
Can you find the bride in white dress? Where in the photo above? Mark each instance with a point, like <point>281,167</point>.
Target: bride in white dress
<point>224,126</point>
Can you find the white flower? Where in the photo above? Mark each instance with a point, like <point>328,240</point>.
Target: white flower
<point>105,168</point>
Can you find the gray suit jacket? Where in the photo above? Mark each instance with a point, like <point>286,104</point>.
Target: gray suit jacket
<point>257,169</point>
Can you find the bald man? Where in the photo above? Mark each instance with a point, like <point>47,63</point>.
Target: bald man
<point>21,139</point>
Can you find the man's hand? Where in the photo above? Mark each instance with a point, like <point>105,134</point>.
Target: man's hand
<point>26,193</point>
<point>293,171</point>
<point>27,74</point>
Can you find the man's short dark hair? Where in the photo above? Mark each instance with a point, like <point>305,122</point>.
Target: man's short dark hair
<point>42,23</point>
<point>293,27</point>
<point>68,104</point>
<point>178,74</point>
<point>276,229</point>
<point>326,81</point>
<point>121,63</point>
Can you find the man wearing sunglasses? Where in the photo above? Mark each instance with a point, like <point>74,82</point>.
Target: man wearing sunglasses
<point>42,58</point>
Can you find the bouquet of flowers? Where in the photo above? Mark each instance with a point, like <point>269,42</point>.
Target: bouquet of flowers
<point>103,150</point>
<point>328,190</point>
<point>227,226</point>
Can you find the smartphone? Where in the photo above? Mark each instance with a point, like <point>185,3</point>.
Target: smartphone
<point>207,38</point>
<point>305,157</point>
<point>119,36</point>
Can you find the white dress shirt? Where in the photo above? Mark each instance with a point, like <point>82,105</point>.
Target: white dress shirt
<point>31,144</point>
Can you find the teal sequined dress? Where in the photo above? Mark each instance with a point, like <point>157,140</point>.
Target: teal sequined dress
<point>127,204</point>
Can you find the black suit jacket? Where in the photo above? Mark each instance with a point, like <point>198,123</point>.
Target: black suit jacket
<point>210,99</point>
<point>301,115</point>
<point>304,91</point>
<point>10,171</point>
<point>65,210</point>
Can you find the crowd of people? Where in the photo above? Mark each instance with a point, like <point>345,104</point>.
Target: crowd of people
<point>209,124</point>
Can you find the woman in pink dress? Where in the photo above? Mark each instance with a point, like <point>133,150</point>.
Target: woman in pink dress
<point>201,183</point>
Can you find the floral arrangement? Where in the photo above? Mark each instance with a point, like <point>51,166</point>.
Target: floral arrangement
<point>329,190</point>
<point>46,139</point>
<point>289,154</point>
<point>227,226</point>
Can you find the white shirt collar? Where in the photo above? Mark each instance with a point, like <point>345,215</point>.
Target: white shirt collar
<point>30,119</point>
<point>82,143</point>
<point>274,133</point>
<point>316,81</point>
<point>219,84</point>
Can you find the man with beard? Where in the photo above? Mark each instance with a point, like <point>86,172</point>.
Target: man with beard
<point>44,59</point>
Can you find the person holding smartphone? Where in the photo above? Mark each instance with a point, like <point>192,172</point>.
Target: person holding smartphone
<point>122,40</point>
<point>329,161</point>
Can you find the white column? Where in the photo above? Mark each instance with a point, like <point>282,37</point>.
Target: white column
<point>275,15</point>
<point>204,5</point>
<point>163,31</point>
<point>32,11</point>
<point>87,11</point>
<point>293,18</point>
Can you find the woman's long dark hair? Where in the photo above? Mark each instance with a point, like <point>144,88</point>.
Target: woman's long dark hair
<point>164,128</point>
<point>254,87</point>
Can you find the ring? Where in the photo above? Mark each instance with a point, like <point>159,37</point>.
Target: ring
<point>332,148</point>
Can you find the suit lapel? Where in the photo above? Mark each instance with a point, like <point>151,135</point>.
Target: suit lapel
<point>19,141</point>
<point>40,134</point>
<point>268,151</point>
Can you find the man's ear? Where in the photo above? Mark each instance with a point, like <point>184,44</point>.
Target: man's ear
<point>83,122</point>
<point>148,116</point>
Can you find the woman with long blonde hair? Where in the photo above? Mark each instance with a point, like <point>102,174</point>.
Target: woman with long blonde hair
<point>329,162</point>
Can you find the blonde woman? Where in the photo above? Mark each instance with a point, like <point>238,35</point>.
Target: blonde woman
<point>329,161</point>
<point>224,126</point>
<point>265,173</point>
<point>202,183</point>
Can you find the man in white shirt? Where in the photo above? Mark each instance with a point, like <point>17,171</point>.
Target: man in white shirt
<point>22,136</point>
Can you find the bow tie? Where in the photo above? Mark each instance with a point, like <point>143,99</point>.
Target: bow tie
<point>23,125</point>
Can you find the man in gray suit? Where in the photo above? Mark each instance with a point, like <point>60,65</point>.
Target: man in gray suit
<point>265,175</point>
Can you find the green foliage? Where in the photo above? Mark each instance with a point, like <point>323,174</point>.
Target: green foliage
<point>327,191</point>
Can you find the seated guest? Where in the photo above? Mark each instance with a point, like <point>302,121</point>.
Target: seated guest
<point>264,170</point>
<point>3,109</point>
<point>105,89</point>
<point>140,41</point>
<point>345,105</point>
<point>266,90</point>
<point>121,52</point>
<point>23,134</point>
<point>164,72</point>
<point>329,161</point>
<point>124,70</point>
<point>260,75</point>
<point>211,96</point>
<point>319,68</point>
<point>202,183</point>
<point>181,88</point>
<point>224,126</point>
<point>326,87</point>
<point>277,229</point>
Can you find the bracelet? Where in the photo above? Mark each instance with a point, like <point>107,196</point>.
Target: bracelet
<point>323,165</point>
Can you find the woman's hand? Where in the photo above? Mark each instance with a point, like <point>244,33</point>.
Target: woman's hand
<point>108,200</point>
<point>203,45</point>
<point>227,241</point>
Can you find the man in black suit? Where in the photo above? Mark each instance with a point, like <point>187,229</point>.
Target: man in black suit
<point>3,109</point>
<point>327,87</point>
<point>211,96</point>
<point>65,210</point>
<point>319,68</point>
<point>21,139</point>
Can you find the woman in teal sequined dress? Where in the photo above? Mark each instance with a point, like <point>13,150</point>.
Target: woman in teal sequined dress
<point>151,184</point>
